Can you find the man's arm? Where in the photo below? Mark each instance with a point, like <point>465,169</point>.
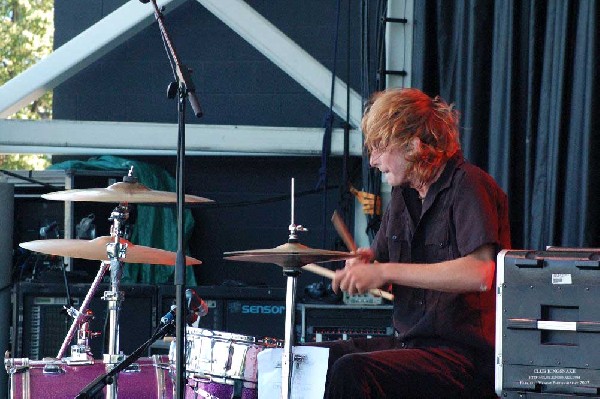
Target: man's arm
<point>473,272</point>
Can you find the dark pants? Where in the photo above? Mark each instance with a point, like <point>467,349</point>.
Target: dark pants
<point>382,368</point>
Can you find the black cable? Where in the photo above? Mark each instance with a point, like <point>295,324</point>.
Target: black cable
<point>28,179</point>
<point>2,289</point>
<point>372,177</point>
<point>380,43</point>
<point>345,195</point>
<point>326,148</point>
<point>166,47</point>
<point>286,197</point>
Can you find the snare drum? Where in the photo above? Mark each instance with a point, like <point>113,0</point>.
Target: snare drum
<point>221,356</point>
<point>147,378</point>
<point>219,363</point>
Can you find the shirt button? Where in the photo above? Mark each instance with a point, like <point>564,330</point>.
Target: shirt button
<point>403,345</point>
<point>441,245</point>
<point>395,238</point>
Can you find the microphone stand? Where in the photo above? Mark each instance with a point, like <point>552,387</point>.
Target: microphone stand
<point>94,388</point>
<point>185,89</point>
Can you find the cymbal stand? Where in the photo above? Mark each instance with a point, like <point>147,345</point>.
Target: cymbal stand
<point>116,251</point>
<point>291,269</point>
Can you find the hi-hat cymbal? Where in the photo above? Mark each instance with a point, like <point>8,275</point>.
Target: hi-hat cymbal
<point>96,250</point>
<point>288,255</point>
<point>131,192</point>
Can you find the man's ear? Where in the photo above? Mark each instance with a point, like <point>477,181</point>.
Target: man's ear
<point>414,144</point>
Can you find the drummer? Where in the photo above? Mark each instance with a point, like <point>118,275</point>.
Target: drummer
<point>446,221</point>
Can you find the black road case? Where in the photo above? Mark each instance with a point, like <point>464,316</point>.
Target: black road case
<point>548,323</point>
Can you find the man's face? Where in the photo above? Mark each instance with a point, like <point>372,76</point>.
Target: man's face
<point>393,163</point>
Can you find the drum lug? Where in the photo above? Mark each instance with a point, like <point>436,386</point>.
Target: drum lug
<point>133,368</point>
<point>53,369</point>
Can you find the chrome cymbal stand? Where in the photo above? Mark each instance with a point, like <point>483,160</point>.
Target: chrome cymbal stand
<point>291,269</point>
<point>116,252</point>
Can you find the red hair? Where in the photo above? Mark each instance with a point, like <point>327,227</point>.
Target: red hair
<point>394,117</point>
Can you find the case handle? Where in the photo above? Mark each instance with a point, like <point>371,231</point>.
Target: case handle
<point>529,263</point>
<point>534,324</point>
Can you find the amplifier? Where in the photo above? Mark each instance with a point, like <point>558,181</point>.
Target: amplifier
<point>548,323</point>
<point>258,312</point>
<point>318,323</point>
<point>261,318</point>
<point>213,319</point>
<point>40,326</point>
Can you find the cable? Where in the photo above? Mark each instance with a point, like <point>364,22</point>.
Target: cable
<point>29,179</point>
<point>285,197</point>
<point>371,177</point>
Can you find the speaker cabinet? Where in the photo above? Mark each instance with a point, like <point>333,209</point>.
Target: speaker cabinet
<point>40,325</point>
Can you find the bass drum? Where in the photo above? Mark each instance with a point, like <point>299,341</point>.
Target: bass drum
<point>147,378</point>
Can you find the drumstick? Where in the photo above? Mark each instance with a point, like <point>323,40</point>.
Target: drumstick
<point>330,274</point>
<point>343,231</point>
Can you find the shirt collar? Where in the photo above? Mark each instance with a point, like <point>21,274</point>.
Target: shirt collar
<point>445,179</point>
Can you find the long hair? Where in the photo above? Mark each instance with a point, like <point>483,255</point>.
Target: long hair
<point>394,116</point>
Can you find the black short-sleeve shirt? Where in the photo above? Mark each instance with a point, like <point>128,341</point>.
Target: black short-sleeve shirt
<point>464,209</point>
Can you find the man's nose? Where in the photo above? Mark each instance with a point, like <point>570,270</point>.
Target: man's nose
<point>373,160</point>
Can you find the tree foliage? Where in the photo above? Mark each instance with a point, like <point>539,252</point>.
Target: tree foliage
<point>26,36</point>
<point>23,161</point>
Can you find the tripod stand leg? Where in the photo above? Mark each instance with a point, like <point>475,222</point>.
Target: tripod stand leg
<point>82,309</point>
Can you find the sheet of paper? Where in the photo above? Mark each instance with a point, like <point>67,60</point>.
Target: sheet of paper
<point>309,370</point>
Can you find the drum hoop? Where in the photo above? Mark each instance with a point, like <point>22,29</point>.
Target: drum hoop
<point>193,332</point>
<point>206,378</point>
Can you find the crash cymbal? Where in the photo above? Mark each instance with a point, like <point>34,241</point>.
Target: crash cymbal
<point>288,255</point>
<point>96,250</point>
<point>131,192</point>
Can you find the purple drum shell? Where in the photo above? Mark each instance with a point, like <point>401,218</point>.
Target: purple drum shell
<point>132,385</point>
<point>218,391</point>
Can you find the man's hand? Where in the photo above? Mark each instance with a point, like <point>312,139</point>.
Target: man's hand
<point>359,274</point>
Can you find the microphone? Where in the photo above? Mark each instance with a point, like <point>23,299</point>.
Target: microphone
<point>196,306</point>
<point>169,317</point>
<point>48,229</point>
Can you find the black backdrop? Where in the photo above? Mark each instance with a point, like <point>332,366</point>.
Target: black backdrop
<point>252,211</point>
<point>524,76</point>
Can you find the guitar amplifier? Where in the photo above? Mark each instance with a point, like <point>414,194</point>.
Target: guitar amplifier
<point>40,325</point>
<point>548,323</point>
<point>253,311</point>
